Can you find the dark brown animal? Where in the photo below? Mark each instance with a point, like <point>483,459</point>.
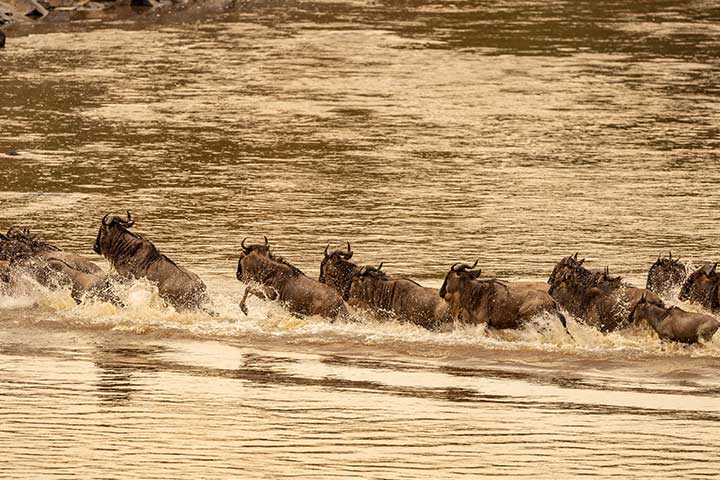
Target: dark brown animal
<point>492,302</point>
<point>675,324</point>
<point>666,275</point>
<point>595,298</point>
<point>338,271</point>
<point>134,256</point>
<point>279,280</point>
<point>402,298</point>
<point>703,287</point>
<point>53,267</point>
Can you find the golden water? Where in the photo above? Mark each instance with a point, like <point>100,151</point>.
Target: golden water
<point>424,133</point>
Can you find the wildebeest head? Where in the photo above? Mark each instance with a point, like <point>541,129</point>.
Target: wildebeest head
<point>702,285</point>
<point>262,249</point>
<point>337,270</point>
<point>458,274</point>
<point>368,272</point>
<point>567,263</point>
<point>110,227</point>
<point>665,274</point>
<point>19,244</point>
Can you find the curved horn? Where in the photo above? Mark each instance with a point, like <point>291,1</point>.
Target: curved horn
<point>129,221</point>
<point>242,244</point>
<point>326,250</point>
<point>349,253</point>
<point>670,254</point>
<point>456,267</point>
<point>104,222</point>
<point>714,267</point>
<point>380,266</point>
<point>475,264</point>
<point>575,256</point>
<point>267,244</point>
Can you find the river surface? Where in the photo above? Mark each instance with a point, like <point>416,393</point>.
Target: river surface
<point>424,133</point>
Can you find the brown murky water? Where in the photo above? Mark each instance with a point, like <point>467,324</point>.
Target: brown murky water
<point>424,133</point>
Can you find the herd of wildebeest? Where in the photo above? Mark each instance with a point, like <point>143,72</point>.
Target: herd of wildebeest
<point>593,297</point>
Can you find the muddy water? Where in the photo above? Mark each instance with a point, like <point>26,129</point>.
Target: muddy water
<point>424,133</point>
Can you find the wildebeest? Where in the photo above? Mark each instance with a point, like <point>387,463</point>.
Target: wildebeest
<point>665,275</point>
<point>134,256</point>
<point>492,302</point>
<point>405,299</point>
<point>51,266</point>
<point>338,271</point>
<point>674,323</point>
<point>703,287</point>
<point>282,281</point>
<point>595,298</point>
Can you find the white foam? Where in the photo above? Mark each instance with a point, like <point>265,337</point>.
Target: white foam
<point>144,311</point>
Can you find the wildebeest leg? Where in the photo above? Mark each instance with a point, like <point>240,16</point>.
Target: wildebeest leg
<point>563,322</point>
<point>248,291</point>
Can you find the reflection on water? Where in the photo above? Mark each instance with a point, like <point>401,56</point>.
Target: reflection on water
<point>216,410</point>
<point>422,132</point>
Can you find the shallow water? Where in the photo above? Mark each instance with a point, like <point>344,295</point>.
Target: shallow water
<point>424,133</point>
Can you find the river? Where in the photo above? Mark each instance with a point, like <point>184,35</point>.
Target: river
<point>422,132</point>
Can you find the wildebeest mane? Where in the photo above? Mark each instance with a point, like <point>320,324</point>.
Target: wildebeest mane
<point>23,235</point>
<point>20,244</point>
<point>380,290</point>
<point>266,252</point>
<point>474,291</point>
<point>123,244</point>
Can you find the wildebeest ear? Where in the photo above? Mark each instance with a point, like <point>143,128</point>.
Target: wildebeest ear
<point>581,262</point>
<point>476,274</point>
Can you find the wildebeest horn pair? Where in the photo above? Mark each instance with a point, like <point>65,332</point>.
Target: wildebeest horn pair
<point>346,255</point>
<point>461,267</point>
<point>125,223</point>
<point>368,268</point>
<point>247,249</point>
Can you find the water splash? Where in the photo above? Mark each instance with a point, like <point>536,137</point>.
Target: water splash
<point>143,311</point>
